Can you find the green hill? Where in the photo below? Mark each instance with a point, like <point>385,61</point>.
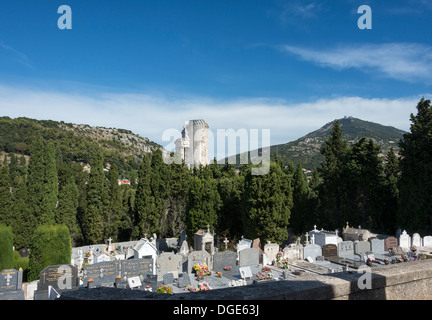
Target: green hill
<point>307,148</point>
<point>74,142</point>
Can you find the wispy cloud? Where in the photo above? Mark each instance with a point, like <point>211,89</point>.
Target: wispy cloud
<point>150,115</point>
<point>402,61</point>
<point>15,55</point>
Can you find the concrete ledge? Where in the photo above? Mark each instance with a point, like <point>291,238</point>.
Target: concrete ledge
<point>403,281</point>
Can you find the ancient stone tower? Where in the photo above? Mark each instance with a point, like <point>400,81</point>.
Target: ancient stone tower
<point>193,145</point>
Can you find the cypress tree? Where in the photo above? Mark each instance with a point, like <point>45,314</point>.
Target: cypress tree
<point>6,247</point>
<point>332,174</point>
<point>143,198</point>
<point>415,184</point>
<point>301,202</point>
<point>92,221</point>
<point>66,212</point>
<point>6,216</point>
<point>267,204</point>
<point>50,186</point>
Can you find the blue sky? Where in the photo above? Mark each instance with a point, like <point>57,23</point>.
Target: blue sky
<point>150,65</point>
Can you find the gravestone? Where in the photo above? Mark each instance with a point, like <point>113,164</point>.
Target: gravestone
<point>377,245</point>
<point>11,285</point>
<point>184,280</point>
<point>416,240</point>
<point>136,267</point>
<point>390,243</point>
<point>293,252</point>
<point>224,259</point>
<point>168,278</point>
<point>427,241</point>
<point>404,240</point>
<point>312,251</point>
<point>197,257</point>
<point>102,273</point>
<point>361,247</point>
<point>346,249</point>
<point>59,277</point>
<point>168,262</point>
<point>248,257</point>
<point>329,250</point>
<point>271,250</point>
<point>244,244</point>
<point>245,272</point>
<point>257,244</point>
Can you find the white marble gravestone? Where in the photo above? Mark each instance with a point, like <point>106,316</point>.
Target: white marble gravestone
<point>416,240</point>
<point>427,241</point>
<point>404,241</point>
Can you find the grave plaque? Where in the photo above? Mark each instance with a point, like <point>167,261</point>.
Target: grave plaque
<point>184,280</point>
<point>224,259</point>
<point>377,245</point>
<point>346,249</point>
<point>390,243</point>
<point>248,257</point>
<point>312,251</point>
<point>102,273</point>
<point>197,257</point>
<point>136,267</point>
<point>245,272</point>
<point>361,247</point>
<point>329,250</point>
<point>60,277</point>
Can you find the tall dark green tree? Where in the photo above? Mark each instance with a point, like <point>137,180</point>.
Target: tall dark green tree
<point>93,218</point>
<point>66,212</point>
<point>390,193</point>
<point>50,186</point>
<point>203,203</point>
<point>267,203</point>
<point>24,222</point>
<point>331,172</point>
<point>114,214</point>
<point>35,180</point>
<point>6,250</point>
<point>144,204</point>
<point>301,212</point>
<point>6,212</point>
<point>415,184</point>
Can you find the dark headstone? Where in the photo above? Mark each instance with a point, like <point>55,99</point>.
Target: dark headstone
<point>224,259</point>
<point>102,273</point>
<point>60,277</point>
<point>10,280</point>
<point>136,267</point>
<point>329,250</point>
<point>390,242</point>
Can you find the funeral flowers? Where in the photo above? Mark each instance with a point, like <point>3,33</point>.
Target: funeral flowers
<point>164,289</point>
<point>280,261</point>
<point>201,270</point>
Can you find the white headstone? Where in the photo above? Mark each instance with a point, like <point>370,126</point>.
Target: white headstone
<point>416,240</point>
<point>404,241</point>
<point>245,272</point>
<point>427,241</point>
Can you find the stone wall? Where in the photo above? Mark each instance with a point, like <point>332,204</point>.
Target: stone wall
<point>403,281</point>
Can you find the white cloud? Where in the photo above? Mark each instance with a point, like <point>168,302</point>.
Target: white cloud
<point>402,61</point>
<point>150,115</point>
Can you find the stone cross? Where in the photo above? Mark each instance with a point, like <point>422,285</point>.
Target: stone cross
<point>226,243</point>
<point>109,243</point>
<point>307,238</point>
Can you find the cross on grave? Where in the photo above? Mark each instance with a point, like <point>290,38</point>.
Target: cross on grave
<point>307,238</point>
<point>8,277</point>
<point>226,243</point>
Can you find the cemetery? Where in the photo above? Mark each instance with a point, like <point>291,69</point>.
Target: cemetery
<point>170,268</point>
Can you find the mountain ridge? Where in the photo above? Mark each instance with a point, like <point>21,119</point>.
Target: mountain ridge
<point>306,149</point>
